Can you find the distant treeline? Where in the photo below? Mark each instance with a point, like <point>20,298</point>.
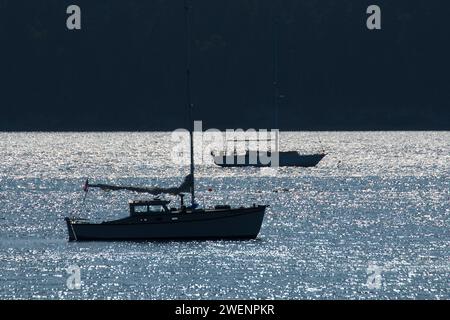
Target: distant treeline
<point>125,69</point>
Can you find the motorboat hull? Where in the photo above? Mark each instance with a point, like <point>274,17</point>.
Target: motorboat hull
<point>238,223</point>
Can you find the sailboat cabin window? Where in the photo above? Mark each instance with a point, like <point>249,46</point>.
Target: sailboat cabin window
<point>141,209</point>
<point>145,207</point>
<point>156,209</point>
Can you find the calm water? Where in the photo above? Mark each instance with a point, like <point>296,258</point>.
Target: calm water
<point>378,199</point>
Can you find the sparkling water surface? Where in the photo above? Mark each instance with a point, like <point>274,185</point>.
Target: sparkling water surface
<point>370,221</point>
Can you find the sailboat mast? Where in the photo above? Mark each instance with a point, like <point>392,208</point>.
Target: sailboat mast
<point>188,94</point>
<point>276,89</point>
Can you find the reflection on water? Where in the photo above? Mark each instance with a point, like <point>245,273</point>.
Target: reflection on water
<point>377,199</point>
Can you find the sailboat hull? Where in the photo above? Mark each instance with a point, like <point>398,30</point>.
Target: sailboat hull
<point>285,159</point>
<point>214,224</point>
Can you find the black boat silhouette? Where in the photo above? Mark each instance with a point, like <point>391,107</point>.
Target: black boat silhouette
<point>154,220</point>
<point>258,159</point>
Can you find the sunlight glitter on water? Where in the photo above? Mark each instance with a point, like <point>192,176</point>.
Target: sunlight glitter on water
<point>377,198</point>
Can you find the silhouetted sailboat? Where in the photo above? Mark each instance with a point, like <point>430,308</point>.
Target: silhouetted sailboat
<point>256,158</point>
<point>155,220</point>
